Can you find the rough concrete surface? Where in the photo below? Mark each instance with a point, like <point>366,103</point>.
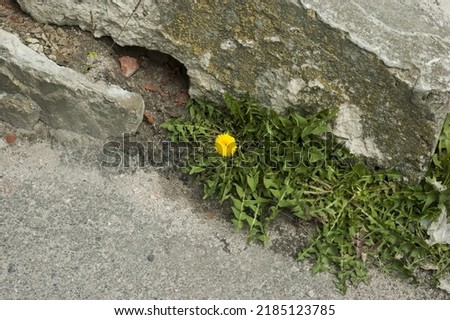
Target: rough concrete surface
<point>70,229</point>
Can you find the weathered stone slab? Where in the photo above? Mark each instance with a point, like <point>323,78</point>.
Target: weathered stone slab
<point>413,39</point>
<point>59,96</point>
<point>411,36</point>
<point>18,110</point>
<point>288,55</point>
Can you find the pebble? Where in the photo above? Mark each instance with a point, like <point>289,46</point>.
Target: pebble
<point>63,42</point>
<point>44,36</point>
<point>311,294</point>
<point>38,31</point>
<point>60,31</point>
<point>55,48</point>
<point>10,138</point>
<point>36,47</point>
<point>128,65</point>
<point>32,40</point>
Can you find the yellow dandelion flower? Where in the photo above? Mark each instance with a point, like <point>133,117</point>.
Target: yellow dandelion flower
<point>225,145</point>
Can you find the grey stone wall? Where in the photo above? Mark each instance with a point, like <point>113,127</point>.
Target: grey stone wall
<point>385,69</point>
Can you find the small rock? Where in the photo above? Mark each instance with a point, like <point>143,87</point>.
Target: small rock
<point>33,46</point>
<point>208,215</point>
<point>8,29</point>
<point>31,40</point>
<point>128,65</point>
<point>60,31</point>
<point>76,43</point>
<point>63,42</point>
<point>39,48</point>
<point>12,268</point>
<point>52,37</point>
<point>36,30</point>
<point>311,294</point>
<point>10,138</point>
<point>6,190</point>
<point>55,48</point>
<point>147,116</point>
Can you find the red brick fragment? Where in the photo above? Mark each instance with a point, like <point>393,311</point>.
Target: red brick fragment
<point>128,65</point>
<point>149,118</point>
<point>10,138</point>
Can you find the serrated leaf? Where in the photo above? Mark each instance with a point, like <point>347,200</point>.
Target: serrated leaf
<point>315,155</point>
<point>267,182</point>
<point>264,238</point>
<point>236,202</point>
<point>233,104</point>
<point>284,204</point>
<point>192,112</point>
<point>252,182</point>
<point>240,191</point>
<point>92,54</point>
<point>299,120</point>
<point>196,170</point>
<point>237,213</point>
<point>238,224</point>
<point>168,126</point>
<point>276,193</point>
<point>226,192</point>
<point>323,128</point>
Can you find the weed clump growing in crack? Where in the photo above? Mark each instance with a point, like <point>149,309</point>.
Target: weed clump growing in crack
<point>267,163</point>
